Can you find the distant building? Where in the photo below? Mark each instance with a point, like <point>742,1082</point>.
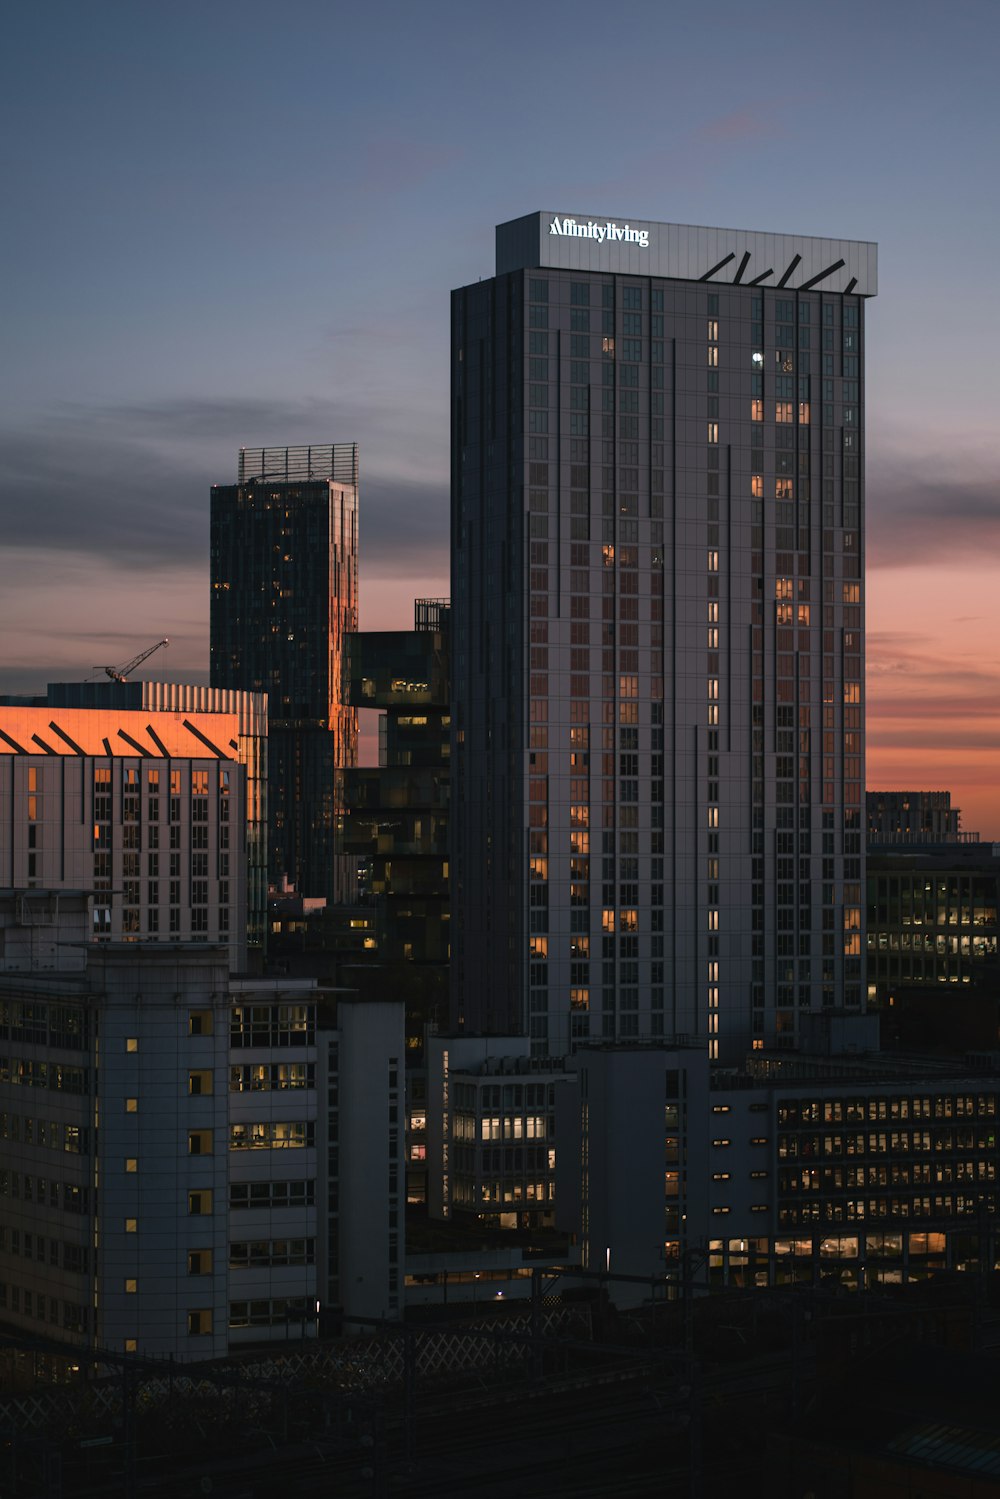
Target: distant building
<point>933,962</point>
<point>914,817</point>
<point>397,812</point>
<point>397,826</point>
<point>149,794</point>
<point>245,1182</point>
<point>284,559</point>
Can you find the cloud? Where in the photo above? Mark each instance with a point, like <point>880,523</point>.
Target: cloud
<point>129,484</point>
<point>918,514</point>
<point>740,125</point>
<point>404,527</point>
<point>959,737</point>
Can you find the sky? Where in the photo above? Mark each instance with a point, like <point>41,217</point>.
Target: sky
<point>235,224</point>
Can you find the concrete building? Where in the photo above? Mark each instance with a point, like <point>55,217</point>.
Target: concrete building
<point>657,634</point>
<point>490,1123</point>
<point>191,1163</point>
<point>149,794</point>
<point>284,566</point>
<point>861,1169</point>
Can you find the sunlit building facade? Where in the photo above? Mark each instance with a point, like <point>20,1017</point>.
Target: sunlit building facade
<point>657,606</point>
<point>156,808</point>
<point>284,549</point>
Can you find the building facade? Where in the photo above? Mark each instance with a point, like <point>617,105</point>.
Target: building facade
<point>157,807</point>
<point>397,813</point>
<point>933,964</point>
<point>284,560</point>
<point>861,1171</point>
<point>657,634</point>
<point>245,1183</point>
<point>490,1130</point>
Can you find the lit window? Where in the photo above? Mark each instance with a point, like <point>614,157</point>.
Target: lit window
<point>131,1105</point>
<point>131,1043</point>
<point>131,1164</point>
<point>131,1286</point>
<point>131,1225</point>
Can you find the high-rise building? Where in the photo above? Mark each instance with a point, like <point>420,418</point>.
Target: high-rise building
<point>284,593</point>
<point>657,612</point>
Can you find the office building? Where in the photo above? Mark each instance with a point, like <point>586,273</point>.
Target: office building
<point>657,634</point>
<point>857,1170</point>
<point>150,795</point>
<point>284,545</point>
<point>245,1184</point>
<point>490,1131</point>
<point>933,967</point>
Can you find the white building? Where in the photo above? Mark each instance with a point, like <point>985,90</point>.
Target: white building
<point>179,1169</point>
<point>152,799</point>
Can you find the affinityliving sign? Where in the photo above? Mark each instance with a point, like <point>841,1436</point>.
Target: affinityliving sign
<point>611,232</point>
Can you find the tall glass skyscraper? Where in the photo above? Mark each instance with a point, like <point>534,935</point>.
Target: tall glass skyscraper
<point>284,543</point>
<point>657,608</point>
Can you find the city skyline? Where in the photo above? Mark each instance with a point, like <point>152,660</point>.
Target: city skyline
<point>162,319</point>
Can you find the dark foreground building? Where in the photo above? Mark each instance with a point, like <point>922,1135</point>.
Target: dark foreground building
<point>284,593</point>
<point>657,608</point>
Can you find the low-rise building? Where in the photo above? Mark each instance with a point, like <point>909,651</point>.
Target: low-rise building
<point>490,1129</point>
<point>191,1162</point>
<point>862,1168</point>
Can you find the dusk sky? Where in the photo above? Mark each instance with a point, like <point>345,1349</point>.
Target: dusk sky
<point>238,224</point>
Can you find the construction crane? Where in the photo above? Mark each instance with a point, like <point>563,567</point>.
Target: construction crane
<point>122,673</point>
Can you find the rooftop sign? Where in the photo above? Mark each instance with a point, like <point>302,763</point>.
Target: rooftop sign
<point>687,252</point>
<point>612,232</point>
